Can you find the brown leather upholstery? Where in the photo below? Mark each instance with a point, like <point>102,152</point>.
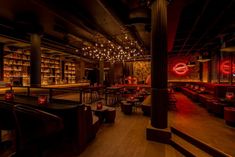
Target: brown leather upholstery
<point>7,121</point>
<point>92,124</point>
<point>34,129</point>
<point>146,106</point>
<point>110,115</point>
<point>229,115</point>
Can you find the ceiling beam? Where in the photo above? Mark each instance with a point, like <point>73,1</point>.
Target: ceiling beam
<point>195,25</point>
<point>211,25</point>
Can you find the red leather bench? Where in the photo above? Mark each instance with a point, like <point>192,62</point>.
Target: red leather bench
<point>229,115</point>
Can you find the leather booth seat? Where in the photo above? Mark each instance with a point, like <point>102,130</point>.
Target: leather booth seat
<point>7,123</point>
<point>7,120</point>
<point>92,124</point>
<point>216,108</point>
<point>146,106</point>
<point>35,130</point>
<point>229,115</point>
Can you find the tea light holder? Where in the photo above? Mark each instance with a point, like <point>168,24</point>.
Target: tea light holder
<point>99,106</point>
<point>9,95</point>
<point>42,100</point>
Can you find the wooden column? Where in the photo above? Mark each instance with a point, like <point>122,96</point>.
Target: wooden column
<point>77,71</point>
<point>1,61</point>
<point>35,61</point>
<point>231,69</point>
<point>201,71</point>
<point>82,69</point>
<point>101,72</point>
<point>159,94</point>
<point>218,66</point>
<point>111,78</point>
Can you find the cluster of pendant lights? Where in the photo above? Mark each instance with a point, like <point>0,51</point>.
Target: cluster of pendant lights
<point>112,52</point>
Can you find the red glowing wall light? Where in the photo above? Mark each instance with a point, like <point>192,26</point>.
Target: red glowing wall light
<point>180,68</point>
<point>225,67</point>
<point>229,95</point>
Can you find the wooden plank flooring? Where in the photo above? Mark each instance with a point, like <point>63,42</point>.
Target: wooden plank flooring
<point>190,118</point>
<point>194,120</point>
<point>126,137</point>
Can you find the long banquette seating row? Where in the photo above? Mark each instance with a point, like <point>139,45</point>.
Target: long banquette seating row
<point>213,90</point>
<point>213,98</point>
<point>146,104</point>
<point>81,124</point>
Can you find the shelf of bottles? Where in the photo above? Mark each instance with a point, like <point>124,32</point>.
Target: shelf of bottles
<point>69,72</point>
<point>16,67</point>
<point>50,70</point>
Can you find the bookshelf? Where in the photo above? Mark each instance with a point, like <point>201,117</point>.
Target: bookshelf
<point>16,67</point>
<point>69,72</point>
<point>50,70</point>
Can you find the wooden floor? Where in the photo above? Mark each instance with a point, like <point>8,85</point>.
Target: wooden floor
<point>194,120</point>
<point>126,138</point>
<point>127,135</point>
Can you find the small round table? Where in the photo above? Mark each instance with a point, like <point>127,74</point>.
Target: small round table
<point>106,114</point>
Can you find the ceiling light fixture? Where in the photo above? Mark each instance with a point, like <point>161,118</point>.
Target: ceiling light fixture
<point>203,59</point>
<point>107,50</point>
<point>191,64</point>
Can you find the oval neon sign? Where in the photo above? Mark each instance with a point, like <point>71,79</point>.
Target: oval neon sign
<point>225,67</point>
<point>180,68</point>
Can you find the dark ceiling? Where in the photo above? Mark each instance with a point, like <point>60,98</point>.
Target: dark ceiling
<point>118,29</point>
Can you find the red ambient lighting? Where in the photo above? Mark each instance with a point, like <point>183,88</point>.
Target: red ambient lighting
<point>180,68</point>
<point>225,67</point>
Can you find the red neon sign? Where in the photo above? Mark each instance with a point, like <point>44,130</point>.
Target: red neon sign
<point>225,67</point>
<point>180,68</point>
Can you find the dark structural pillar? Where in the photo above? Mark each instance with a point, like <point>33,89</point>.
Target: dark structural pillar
<point>35,61</point>
<point>1,61</point>
<point>158,130</point>
<point>77,72</point>
<point>111,78</point>
<point>231,69</point>
<point>82,69</point>
<point>101,72</point>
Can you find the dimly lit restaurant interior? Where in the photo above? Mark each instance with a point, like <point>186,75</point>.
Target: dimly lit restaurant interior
<point>117,78</point>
